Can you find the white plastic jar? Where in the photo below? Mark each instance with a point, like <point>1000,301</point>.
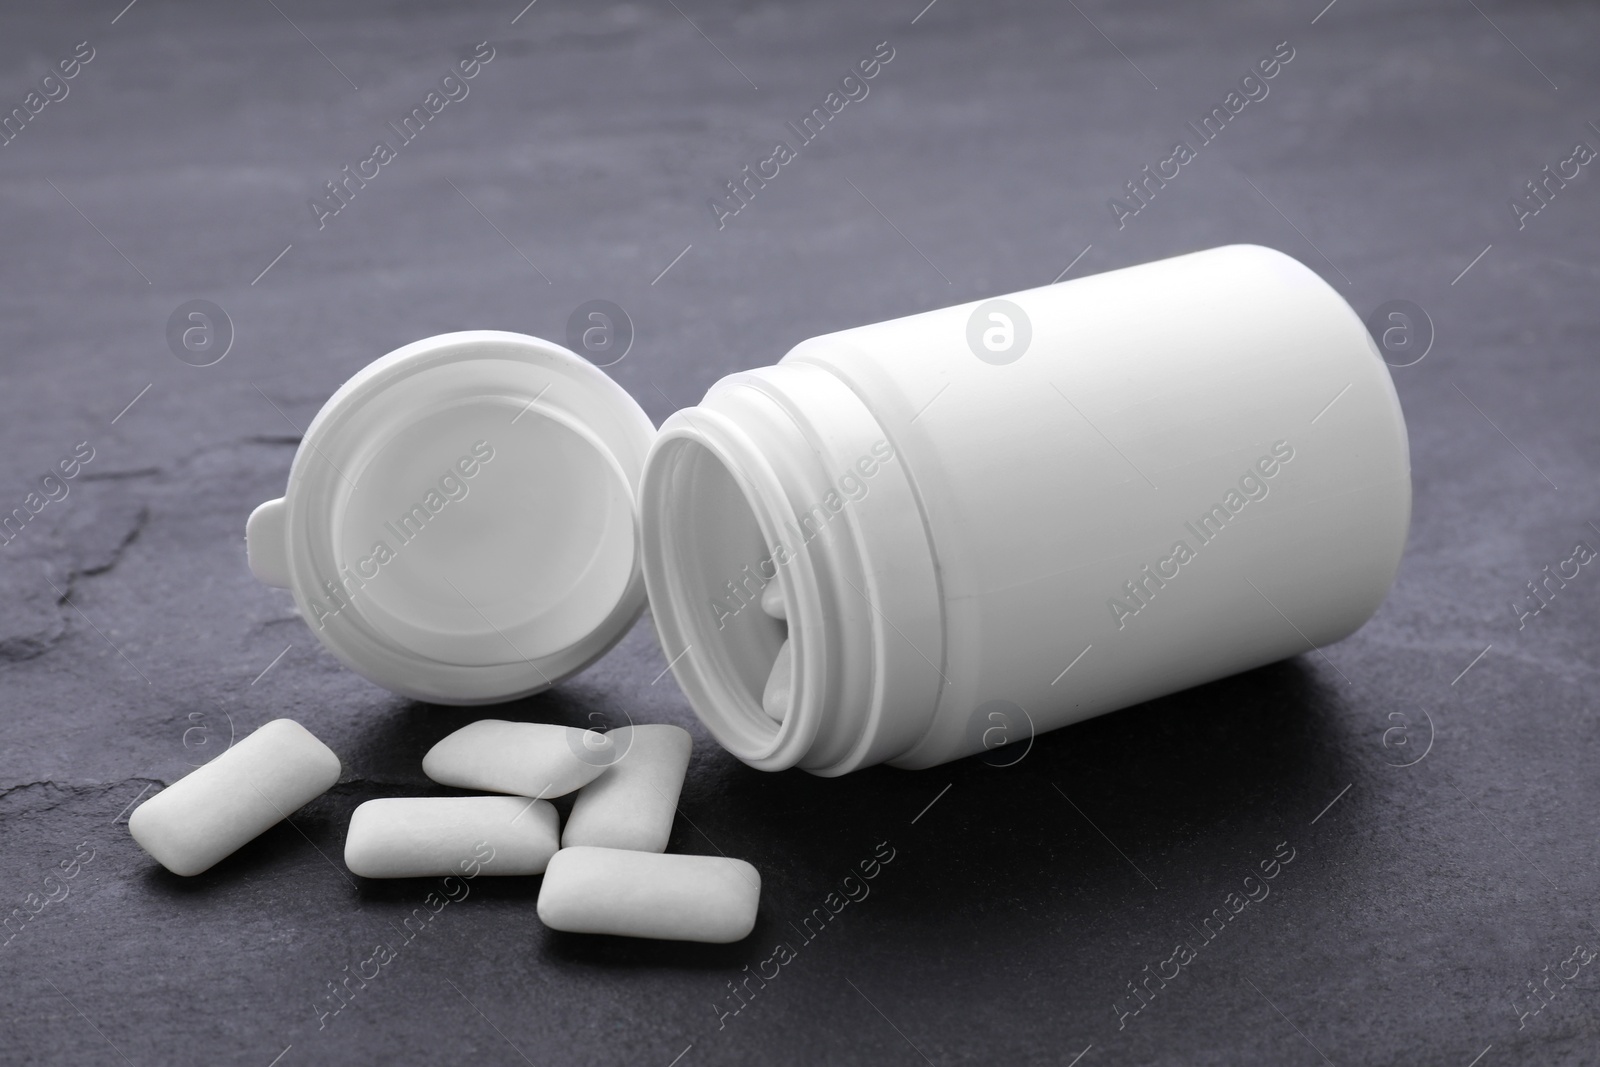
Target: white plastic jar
<point>1190,468</point>
<point>1058,503</point>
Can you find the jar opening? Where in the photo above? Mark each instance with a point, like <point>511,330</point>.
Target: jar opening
<point>708,556</point>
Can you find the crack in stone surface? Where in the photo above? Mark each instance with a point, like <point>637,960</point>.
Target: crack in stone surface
<point>141,519</point>
<point>54,793</point>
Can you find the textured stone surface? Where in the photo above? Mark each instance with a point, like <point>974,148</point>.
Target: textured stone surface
<point>1010,918</point>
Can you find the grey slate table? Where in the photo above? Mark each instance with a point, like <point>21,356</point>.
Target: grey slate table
<point>1428,909</point>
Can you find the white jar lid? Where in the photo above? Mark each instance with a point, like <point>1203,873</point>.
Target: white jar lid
<point>460,523</point>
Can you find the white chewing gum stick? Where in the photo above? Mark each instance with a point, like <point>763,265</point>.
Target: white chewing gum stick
<point>632,804</point>
<point>206,815</point>
<point>779,691</point>
<point>530,759</point>
<point>649,894</point>
<point>772,601</point>
<point>424,837</point>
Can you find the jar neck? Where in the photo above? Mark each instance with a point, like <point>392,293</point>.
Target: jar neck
<point>782,475</point>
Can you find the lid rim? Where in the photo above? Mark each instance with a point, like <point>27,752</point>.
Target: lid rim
<point>559,388</point>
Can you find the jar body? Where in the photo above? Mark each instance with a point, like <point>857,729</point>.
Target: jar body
<point>1184,470</point>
